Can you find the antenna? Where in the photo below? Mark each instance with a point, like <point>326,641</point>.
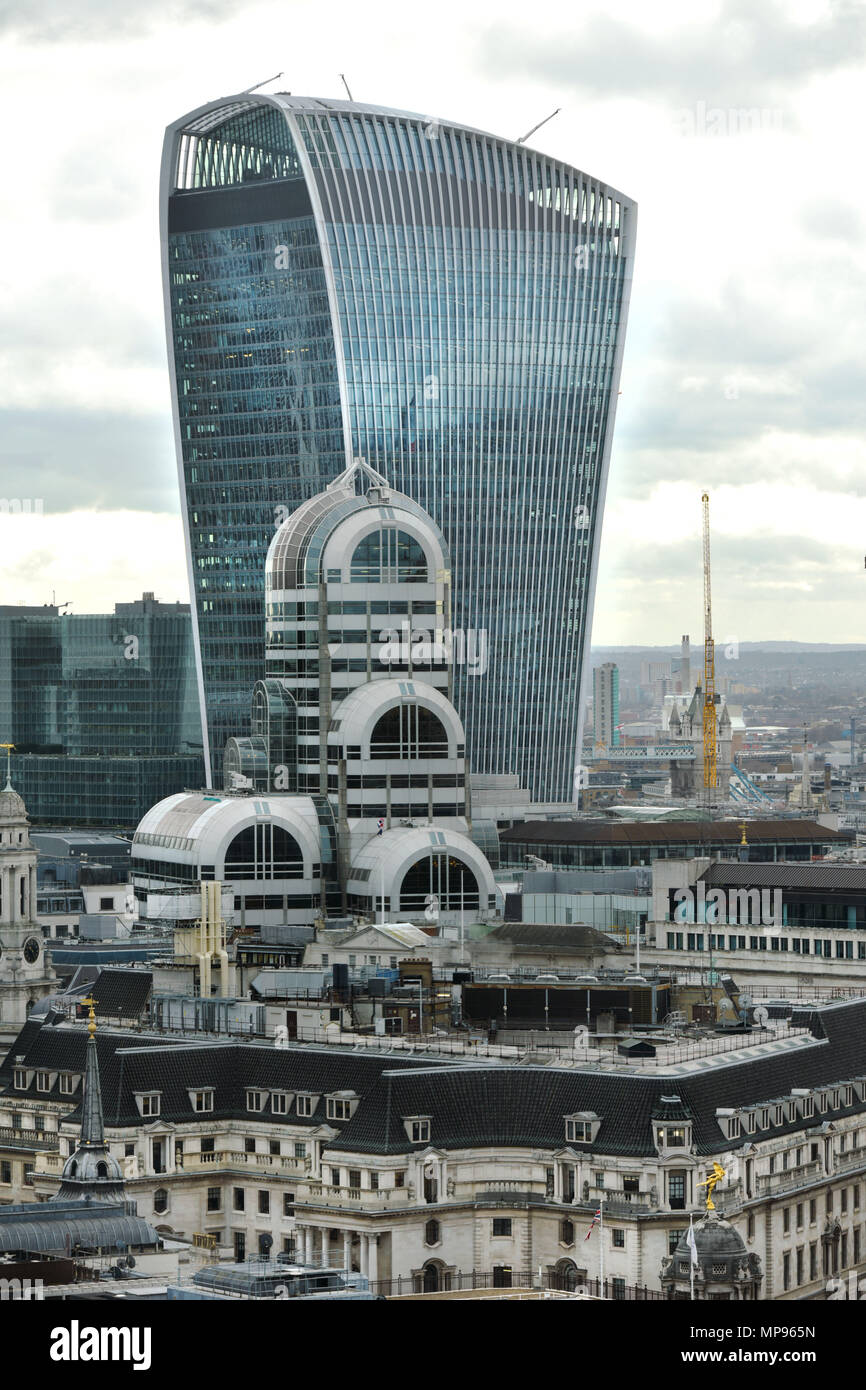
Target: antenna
<point>265,83</point>
<point>346,85</point>
<point>525,137</point>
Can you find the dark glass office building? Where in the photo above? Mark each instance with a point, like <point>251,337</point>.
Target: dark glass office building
<point>102,710</point>
<point>344,281</point>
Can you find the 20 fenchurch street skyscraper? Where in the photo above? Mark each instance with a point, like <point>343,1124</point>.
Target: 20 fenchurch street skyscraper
<point>349,281</point>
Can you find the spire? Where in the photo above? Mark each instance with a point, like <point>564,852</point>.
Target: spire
<point>91,1172</point>
<point>92,1124</point>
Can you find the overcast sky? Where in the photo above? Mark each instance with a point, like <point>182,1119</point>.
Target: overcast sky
<point>737,127</point>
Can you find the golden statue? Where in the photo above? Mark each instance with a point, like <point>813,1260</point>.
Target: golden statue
<point>715,1177</point>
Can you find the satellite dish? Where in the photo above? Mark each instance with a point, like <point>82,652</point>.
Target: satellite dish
<point>761,1016</point>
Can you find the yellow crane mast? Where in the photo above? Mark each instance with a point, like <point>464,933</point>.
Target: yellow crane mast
<point>710,773</point>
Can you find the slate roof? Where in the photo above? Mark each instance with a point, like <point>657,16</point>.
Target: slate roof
<point>576,832</point>
<point>826,878</point>
<point>469,1104</point>
<point>570,939</point>
<point>122,993</point>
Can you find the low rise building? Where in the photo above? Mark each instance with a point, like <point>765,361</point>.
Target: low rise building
<point>424,1168</point>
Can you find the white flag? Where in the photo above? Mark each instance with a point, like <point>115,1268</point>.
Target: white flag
<point>690,1242</point>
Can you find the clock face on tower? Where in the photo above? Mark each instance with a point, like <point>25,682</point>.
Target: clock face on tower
<point>31,950</point>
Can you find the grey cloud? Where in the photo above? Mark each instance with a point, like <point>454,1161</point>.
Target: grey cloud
<point>749,54</point>
<point>58,318</point>
<point>832,219</point>
<point>73,460</point>
<point>56,21</point>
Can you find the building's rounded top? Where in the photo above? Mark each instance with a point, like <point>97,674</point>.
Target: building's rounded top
<point>295,554</point>
<point>197,827</point>
<point>722,1257</point>
<point>715,1239</point>
<point>358,713</point>
<point>84,1166</point>
<point>12,805</point>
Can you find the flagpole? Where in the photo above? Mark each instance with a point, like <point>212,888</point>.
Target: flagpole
<point>601,1247</point>
<point>692,1257</point>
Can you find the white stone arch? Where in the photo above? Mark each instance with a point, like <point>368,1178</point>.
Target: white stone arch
<point>359,713</point>
<point>382,864</point>
<point>348,534</point>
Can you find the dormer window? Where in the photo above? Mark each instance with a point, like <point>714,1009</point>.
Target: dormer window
<point>749,1121</point>
<point>582,1127</point>
<point>765,1118</point>
<point>778,1114</point>
<point>341,1105</point>
<point>256,1100</point>
<point>806,1102</point>
<point>306,1103</point>
<point>417,1128</point>
<point>823,1101</point>
<point>149,1103</point>
<point>849,1095</point>
<point>43,1081</point>
<point>729,1123</point>
<point>68,1084</point>
<point>281,1102</point>
<point>202,1101</point>
<point>20,1079</point>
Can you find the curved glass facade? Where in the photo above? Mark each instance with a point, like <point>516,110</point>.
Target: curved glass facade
<point>349,281</point>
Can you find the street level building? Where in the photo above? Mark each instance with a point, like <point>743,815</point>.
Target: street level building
<point>425,1168</point>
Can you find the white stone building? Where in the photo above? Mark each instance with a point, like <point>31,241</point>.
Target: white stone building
<point>419,1167</point>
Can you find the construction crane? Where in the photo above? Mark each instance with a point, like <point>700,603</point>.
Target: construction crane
<point>710,770</point>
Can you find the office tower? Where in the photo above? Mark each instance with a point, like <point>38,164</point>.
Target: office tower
<point>605,703</point>
<point>348,281</point>
<point>350,791</point>
<point>101,709</point>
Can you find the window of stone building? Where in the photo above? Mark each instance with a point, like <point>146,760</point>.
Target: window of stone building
<point>264,1202</point>
<point>502,1225</point>
<point>618,1238</point>
<point>432,1233</point>
<point>239,1199</point>
<point>214,1199</point>
<point>566,1232</point>
<point>160,1200</point>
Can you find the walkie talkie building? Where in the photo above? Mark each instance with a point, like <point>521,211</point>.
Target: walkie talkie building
<point>348,281</point>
